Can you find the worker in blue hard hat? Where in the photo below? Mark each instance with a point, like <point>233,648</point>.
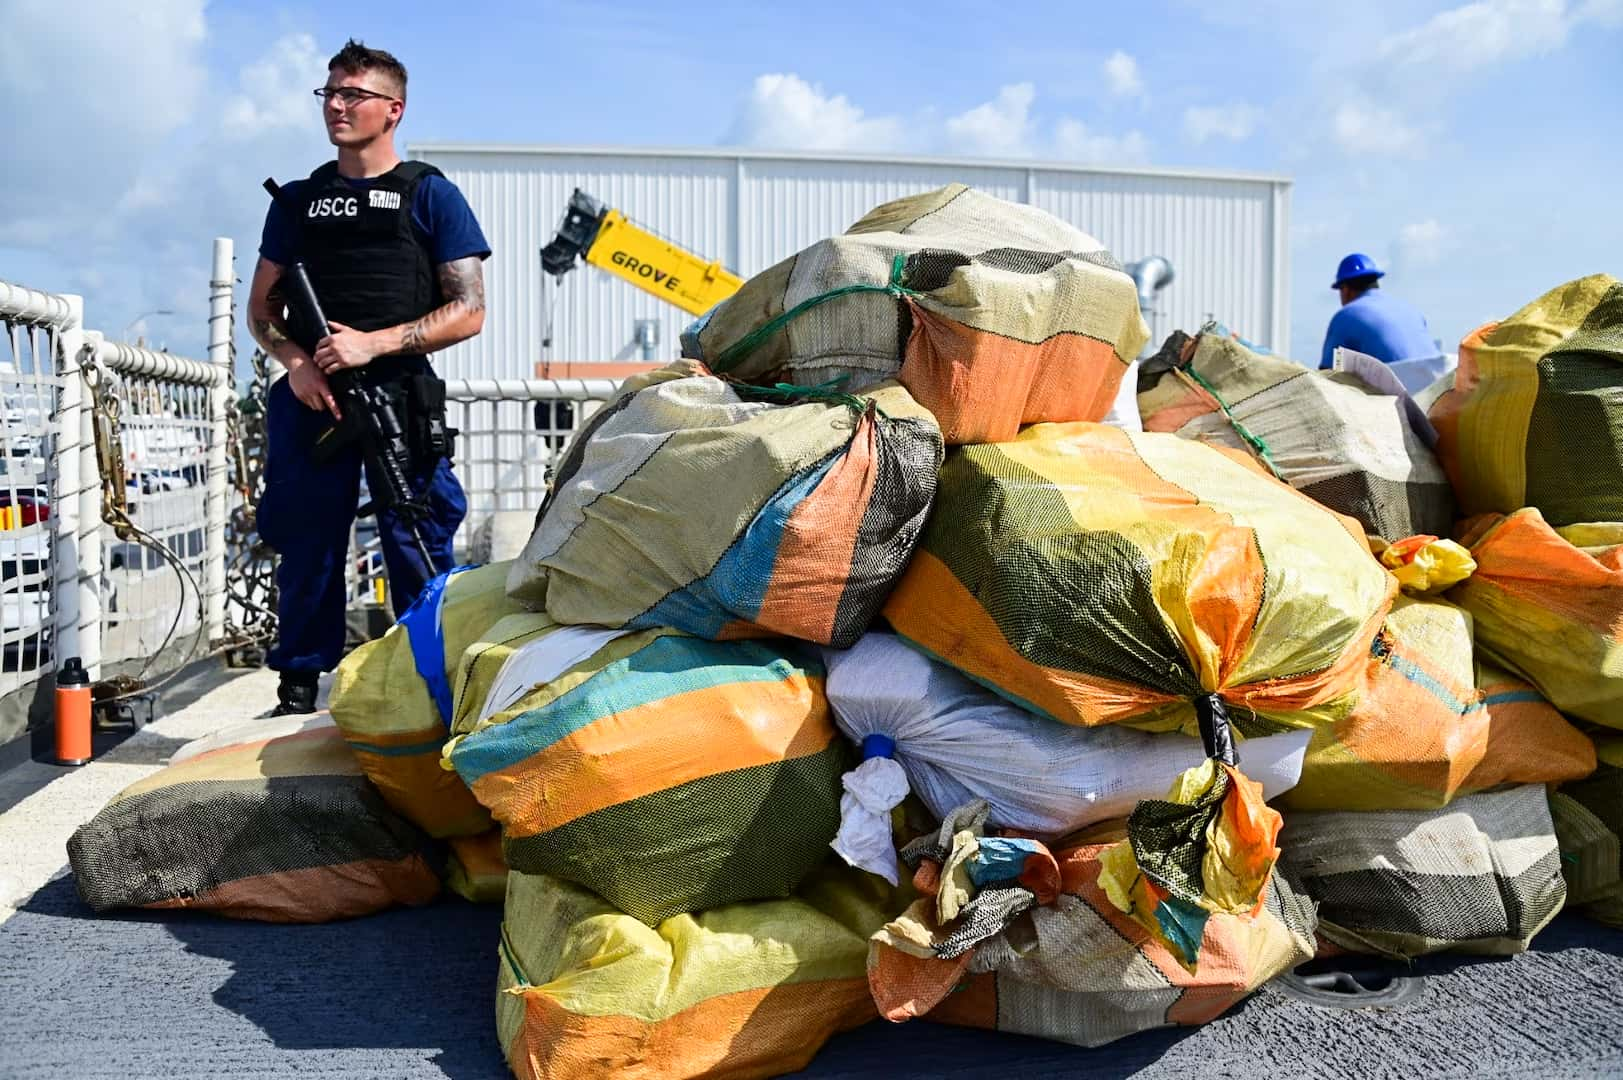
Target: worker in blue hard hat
<point>1379,325</point>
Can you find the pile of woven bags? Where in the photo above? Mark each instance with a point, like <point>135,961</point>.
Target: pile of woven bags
<point>855,669</point>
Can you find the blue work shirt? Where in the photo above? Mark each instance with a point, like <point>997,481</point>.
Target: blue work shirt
<point>438,209</point>
<point>1381,326</point>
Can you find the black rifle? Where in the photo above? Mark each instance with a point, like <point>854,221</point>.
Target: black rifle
<point>370,417</point>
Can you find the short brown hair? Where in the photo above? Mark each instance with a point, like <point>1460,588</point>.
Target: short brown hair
<point>355,58</point>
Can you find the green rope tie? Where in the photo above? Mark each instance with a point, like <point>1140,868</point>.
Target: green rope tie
<point>735,354</point>
<point>1246,435</point>
<point>829,392</point>
<point>506,950</point>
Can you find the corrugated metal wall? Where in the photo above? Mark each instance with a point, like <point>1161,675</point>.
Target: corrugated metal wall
<point>1225,236</point>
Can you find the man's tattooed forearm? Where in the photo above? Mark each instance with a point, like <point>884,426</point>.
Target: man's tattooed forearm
<point>268,333</point>
<point>414,335</point>
<point>423,335</point>
<point>462,282</point>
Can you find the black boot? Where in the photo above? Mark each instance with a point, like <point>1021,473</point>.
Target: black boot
<point>296,693</point>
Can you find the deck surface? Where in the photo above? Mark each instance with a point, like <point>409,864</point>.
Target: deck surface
<point>409,993</point>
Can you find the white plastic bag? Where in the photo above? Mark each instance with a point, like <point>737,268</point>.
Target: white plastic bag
<point>958,742</point>
<point>871,790</point>
<point>1124,412</point>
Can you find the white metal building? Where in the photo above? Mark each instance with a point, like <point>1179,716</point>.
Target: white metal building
<point>1225,234</point>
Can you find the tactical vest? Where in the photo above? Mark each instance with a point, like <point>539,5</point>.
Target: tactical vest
<point>369,263</point>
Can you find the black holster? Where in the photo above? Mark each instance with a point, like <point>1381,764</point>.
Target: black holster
<point>427,434</point>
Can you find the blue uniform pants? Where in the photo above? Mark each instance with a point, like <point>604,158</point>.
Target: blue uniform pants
<point>305,514</point>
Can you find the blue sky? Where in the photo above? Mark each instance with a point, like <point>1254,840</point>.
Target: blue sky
<point>1469,147</point>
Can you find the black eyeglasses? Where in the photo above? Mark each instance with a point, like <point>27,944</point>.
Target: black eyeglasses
<point>349,95</point>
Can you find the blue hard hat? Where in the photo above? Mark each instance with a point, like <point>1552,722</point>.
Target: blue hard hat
<point>1356,265</point>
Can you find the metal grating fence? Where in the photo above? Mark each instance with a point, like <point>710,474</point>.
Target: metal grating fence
<point>127,488</point>
<point>153,603</point>
<point>512,433</point>
<point>113,500</point>
<point>28,387</point>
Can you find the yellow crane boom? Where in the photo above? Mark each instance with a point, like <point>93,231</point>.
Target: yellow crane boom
<point>606,238</point>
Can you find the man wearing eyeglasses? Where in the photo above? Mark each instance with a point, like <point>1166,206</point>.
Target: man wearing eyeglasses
<point>394,254</point>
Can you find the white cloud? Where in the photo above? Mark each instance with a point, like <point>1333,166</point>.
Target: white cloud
<point>140,76</point>
<point>1121,75</point>
<point>1480,34</point>
<point>999,128</point>
<point>785,111</point>
<point>1233,122</point>
<point>1369,131</point>
<point>96,79</point>
<point>1074,141</point>
<point>1412,71</point>
<point>1488,32</point>
<point>1421,243</point>
<point>149,157</point>
<point>273,92</point>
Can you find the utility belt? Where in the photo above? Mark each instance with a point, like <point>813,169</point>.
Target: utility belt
<point>417,401</point>
<point>428,436</point>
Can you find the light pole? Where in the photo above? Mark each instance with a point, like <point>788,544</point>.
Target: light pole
<point>131,324</point>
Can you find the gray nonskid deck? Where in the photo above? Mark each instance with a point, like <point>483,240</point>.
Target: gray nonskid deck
<point>410,993</point>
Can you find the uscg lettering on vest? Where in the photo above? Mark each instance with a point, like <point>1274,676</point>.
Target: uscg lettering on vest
<point>383,200</point>
<point>644,270</point>
<point>332,206</point>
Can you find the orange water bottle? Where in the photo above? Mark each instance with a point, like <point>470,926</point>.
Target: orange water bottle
<point>72,713</point>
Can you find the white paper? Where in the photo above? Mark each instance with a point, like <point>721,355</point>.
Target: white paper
<point>538,662</point>
<point>1391,379</point>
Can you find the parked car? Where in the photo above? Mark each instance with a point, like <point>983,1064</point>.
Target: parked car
<point>162,456</point>
<point>25,577</point>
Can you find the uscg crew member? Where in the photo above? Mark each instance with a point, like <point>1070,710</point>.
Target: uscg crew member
<point>394,254</point>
